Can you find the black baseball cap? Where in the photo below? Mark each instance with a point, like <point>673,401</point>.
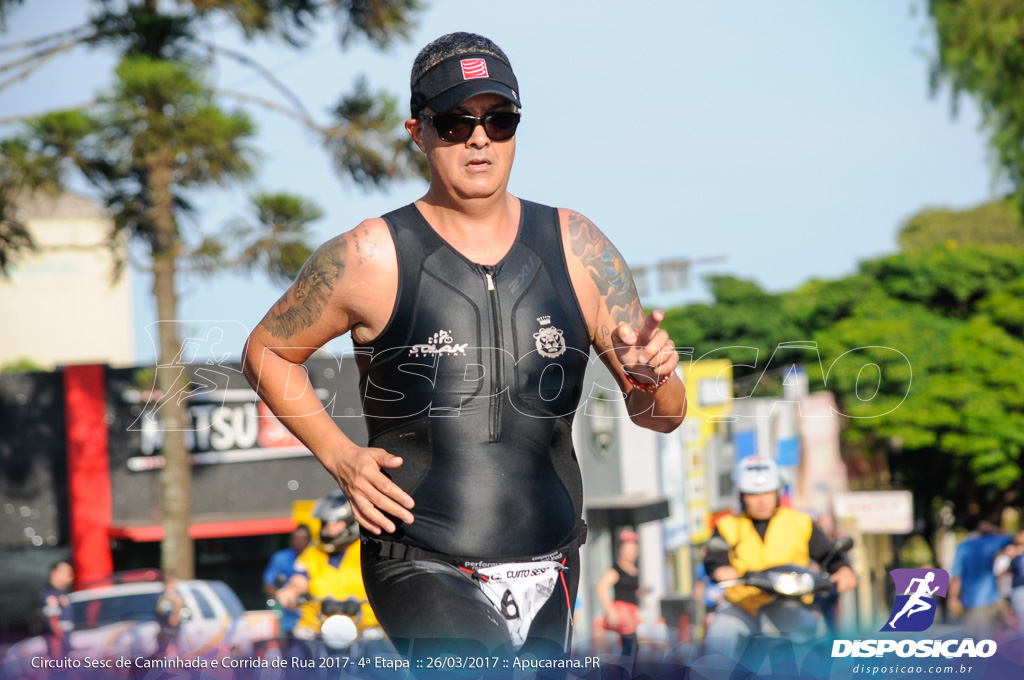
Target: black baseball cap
<point>456,79</point>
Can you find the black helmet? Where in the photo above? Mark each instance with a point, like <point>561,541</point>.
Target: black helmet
<point>334,507</point>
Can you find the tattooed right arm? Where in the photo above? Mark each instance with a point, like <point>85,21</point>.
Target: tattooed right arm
<point>349,284</point>
<point>304,303</point>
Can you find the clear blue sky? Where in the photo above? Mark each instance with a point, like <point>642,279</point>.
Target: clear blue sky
<point>792,137</point>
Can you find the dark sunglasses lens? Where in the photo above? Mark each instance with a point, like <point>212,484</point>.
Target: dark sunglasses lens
<point>454,128</point>
<point>501,126</point>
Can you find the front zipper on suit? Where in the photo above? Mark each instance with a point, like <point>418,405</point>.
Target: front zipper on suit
<point>497,361</point>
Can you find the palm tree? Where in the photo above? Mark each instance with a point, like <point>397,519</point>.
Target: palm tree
<point>157,135</point>
<point>161,133</point>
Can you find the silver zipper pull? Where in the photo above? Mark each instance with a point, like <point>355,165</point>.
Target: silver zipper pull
<point>490,281</point>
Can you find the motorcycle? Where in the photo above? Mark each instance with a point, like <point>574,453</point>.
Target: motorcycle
<point>344,646</point>
<point>786,621</point>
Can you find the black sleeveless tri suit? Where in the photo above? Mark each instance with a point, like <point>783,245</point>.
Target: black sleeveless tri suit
<point>474,382</point>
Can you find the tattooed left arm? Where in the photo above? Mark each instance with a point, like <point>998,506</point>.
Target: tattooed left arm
<point>619,331</point>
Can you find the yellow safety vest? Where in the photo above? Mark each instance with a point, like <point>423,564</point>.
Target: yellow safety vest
<point>326,581</point>
<point>785,542</point>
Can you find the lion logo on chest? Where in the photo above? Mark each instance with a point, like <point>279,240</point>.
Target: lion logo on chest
<point>550,342</point>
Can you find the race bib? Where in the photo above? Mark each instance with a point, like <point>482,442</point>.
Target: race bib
<point>518,590</point>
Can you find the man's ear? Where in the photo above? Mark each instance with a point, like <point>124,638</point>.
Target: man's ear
<point>415,129</point>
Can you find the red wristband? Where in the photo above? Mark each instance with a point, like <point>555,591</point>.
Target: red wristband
<point>650,388</point>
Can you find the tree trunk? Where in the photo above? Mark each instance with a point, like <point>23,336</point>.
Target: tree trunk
<point>176,551</point>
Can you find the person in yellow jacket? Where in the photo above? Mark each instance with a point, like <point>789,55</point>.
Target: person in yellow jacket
<point>330,567</point>
<point>763,535</point>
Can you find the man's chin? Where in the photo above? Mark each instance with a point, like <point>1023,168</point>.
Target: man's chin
<point>474,190</point>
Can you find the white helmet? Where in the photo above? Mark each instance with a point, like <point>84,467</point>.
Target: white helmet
<point>334,507</point>
<point>757,474</point>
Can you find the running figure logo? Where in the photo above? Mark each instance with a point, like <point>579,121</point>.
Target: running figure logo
<point>914,610</point>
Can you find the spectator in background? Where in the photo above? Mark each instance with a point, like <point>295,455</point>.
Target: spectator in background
<point>1011,563</point>
<point>622,610</point>
<point>168,615</point>
<point>973,590</point>
<point>58,614</point>
<point>708,590</point>
<point>280,569</point>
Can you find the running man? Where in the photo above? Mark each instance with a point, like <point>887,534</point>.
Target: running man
<point>916,603</point>
<point>473,314</point>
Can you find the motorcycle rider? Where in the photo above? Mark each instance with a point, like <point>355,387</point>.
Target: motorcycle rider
<point>762,535</point>
<point>330,567</point>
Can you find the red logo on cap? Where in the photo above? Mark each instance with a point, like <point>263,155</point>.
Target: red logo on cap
<point>474,68</point>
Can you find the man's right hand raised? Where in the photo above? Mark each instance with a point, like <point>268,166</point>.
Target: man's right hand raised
<point>371,493</point>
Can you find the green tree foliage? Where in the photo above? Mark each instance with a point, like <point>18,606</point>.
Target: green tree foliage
<point>950,281</point>
<point>288,19</point>
<point>981,52</point>
<point>744,325</point>
<point>156,135</point>
<point>921,348</point>
<point>275,241</point>
<point>364,135</point>
<point>15,239</point>
<point>997,223</point>
<point>22,366</point>
<point>162,131</point>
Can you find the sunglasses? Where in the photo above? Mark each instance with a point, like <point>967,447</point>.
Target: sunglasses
<point>458,127</point>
